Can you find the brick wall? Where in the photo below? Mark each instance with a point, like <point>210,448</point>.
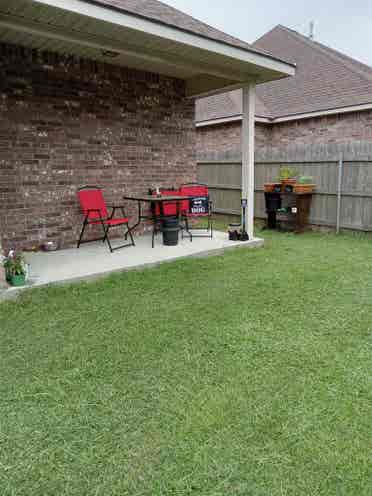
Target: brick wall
<point>356,126</point>
<point>225,137</point>
<point>65,123</point>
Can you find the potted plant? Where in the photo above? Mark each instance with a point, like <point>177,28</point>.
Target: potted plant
<point>305,184</point>
<point>288,175</point>
<point>15,268</point>
<point>287,179</point>
<point>272,187</point>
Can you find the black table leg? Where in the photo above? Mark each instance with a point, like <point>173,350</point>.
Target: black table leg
<point>139,216</point>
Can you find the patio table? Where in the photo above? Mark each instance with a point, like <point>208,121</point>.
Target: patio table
<point>155,200</point>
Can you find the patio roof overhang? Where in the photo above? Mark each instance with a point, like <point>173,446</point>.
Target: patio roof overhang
<point>87,29</point>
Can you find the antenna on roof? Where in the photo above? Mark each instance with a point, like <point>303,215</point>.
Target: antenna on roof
<point>311,32</point>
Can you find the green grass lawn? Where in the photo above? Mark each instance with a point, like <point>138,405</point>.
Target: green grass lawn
<point>244,374</point>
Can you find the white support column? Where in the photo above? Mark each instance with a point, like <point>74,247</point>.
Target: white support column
<point>249,100</point>
<point>2,271</point>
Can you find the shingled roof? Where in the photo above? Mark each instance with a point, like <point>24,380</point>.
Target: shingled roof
<point>325,80</point>
<point>165,14</point>
<point>226,105</point>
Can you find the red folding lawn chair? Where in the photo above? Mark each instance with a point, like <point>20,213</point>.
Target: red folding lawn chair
<point>198,206</point>
<point>95,212</point>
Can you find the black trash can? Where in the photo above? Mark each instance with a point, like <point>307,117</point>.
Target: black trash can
<point>273,201</point>
<point>171,229</point>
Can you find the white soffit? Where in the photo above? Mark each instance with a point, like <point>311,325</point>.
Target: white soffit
<point>85,29</point>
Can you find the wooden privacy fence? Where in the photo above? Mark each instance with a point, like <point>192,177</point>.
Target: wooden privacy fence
<point>342,173</point>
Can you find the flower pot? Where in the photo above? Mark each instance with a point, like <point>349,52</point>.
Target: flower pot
<point>304,188</point>
<point>288,185</point>
<point>269,187</point>
<point>289,180</point>
<point>272,187</point>
<point>17,280</point>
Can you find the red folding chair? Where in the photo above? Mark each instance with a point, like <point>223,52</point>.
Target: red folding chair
<point>169,208</point>
<point>95,211</point>
<point>199,205</point>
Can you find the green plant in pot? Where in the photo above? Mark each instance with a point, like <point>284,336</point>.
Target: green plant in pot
<point>305,184</point>
<point>305,180</point>
<point>15,268</point>
<point>287,174</point>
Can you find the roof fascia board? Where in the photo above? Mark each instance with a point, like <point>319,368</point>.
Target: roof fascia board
<point>226,120</point>
<point>294,117</point>
<point>320,113</point>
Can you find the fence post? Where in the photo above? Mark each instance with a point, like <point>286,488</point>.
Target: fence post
<point>339,192</point>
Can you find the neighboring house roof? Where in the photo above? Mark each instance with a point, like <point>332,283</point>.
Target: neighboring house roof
<point>165,14</point>
<point>226,105</point>
<point>325,81</point>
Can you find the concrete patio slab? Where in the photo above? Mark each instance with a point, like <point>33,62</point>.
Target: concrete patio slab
<point>94,260</point>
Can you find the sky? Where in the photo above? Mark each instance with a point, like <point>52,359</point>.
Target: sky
<point>345,25</point>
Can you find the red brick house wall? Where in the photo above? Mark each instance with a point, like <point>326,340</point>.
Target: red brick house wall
<point>227,137</point>
<point>328,129</point>
<point>65,123</point>
<point>339,128</point>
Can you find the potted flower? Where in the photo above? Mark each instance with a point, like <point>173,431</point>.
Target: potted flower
<point>15,268</point>
<point>305,184</point>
